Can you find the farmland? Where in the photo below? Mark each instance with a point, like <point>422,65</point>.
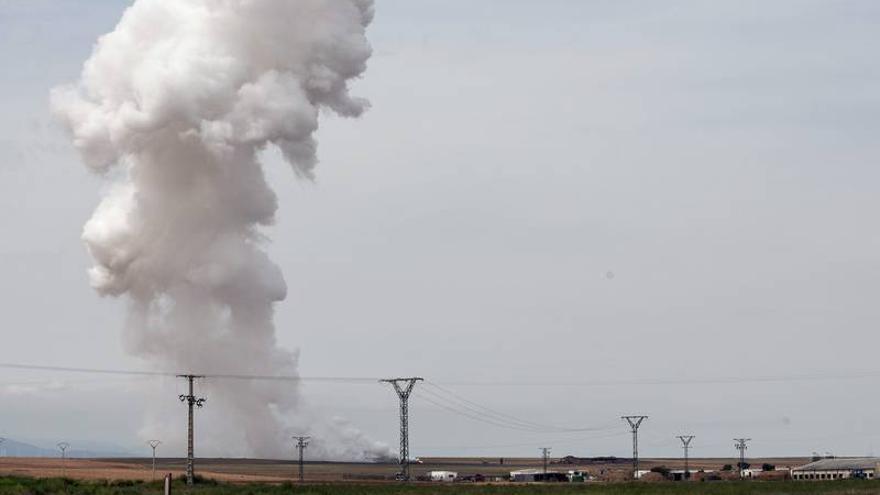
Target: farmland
<point>252,476</point>
<point>279,471</point>
<point>51,486</point>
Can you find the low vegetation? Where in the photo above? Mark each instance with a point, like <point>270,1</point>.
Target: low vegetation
<point>52,486</point>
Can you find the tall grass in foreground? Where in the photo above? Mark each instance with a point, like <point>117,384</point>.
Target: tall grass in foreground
<point>52,486</point>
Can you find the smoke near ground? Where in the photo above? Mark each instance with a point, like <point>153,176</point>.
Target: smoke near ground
<point>174,107</point>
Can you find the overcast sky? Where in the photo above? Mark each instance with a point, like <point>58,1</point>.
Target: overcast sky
<point>543,191</point>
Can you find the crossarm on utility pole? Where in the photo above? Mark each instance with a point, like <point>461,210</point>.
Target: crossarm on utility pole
<point>191,400</point>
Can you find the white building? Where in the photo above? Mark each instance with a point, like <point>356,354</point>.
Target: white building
<point>443,475</point>
<point>838,468</point>
<point>525,474</point>
<point>751,472</point>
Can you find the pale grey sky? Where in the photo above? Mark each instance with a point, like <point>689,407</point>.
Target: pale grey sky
<point>719,158</point>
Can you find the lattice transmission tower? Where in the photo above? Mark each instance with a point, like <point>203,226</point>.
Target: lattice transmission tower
<point>403,387</point>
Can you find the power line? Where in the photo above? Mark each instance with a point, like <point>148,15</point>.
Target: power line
<point>668,381</point>
<point>472,413</point>
<point>507,418</point>
<point>556,440</point>
<point>487,383</point>
<point>68,369</point>
<point>222,376</point>
<point>473,416</point>
<point>497,419</point>
<point>483,410</point>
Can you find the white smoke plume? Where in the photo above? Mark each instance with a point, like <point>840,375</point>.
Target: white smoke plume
<point>174,107</point>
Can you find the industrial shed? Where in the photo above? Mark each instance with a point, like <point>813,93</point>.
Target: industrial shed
<point>537,475</point>
<point>836,469</point>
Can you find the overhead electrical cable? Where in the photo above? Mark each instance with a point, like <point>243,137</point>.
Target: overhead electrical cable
<point>475,417</point>
<point>480,409</point>
<point>496,419</point>
<point>500,419</point>
<point>823,376</point>
<point>807,377</point>
<point>222,376</point>
<point>556,441</point>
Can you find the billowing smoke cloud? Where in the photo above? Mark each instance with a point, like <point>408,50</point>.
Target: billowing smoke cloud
<point>174,107</point>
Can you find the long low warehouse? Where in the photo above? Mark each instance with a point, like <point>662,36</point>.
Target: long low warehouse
<point>837,469</point>
<point>529,475</point>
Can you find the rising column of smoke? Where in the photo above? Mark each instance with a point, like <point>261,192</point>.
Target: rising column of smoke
<point>174,106</point>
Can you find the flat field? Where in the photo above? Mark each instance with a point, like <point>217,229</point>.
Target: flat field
<point>53,486</point>
<point>41,476</point>
<point>279,471</point>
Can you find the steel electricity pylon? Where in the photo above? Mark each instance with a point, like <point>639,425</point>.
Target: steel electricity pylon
<point>153,444</point>
<point>634,423</point>
<point>191,400</point>
<point>545,457</point>
<point>403,387</point>
<point>301,443</point>
<point>63,447</point>
<point>741,445</point>
<point>686,445</point>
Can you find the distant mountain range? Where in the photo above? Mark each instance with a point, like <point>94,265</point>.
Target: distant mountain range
<point>14,448</point>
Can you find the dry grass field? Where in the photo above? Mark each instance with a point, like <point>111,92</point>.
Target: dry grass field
<point>276,471</point>
<point>41,476</point>
<point>57,486</point>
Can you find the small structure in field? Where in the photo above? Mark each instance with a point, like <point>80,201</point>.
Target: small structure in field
<point>652,476</point>
<point>578,476</point>
<point>679,474</point>
<point>532,475</point>
<point>447,476</point>
<point>774,474</point>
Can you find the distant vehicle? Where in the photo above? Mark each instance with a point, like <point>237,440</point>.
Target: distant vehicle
<point>447,476</point>
<point>578,476</point>
<point>473,478</point>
